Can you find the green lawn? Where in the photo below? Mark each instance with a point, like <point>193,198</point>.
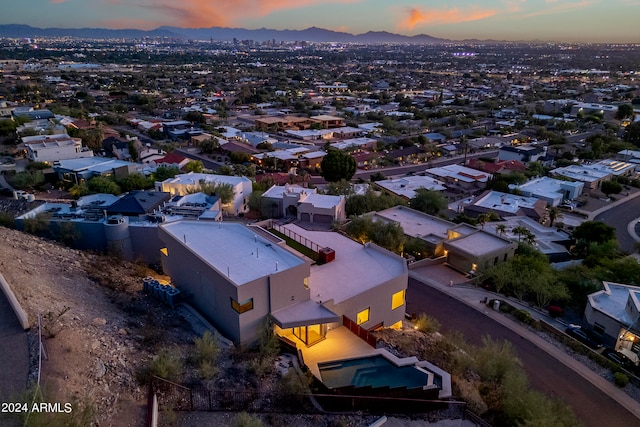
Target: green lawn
<point>297,246</point>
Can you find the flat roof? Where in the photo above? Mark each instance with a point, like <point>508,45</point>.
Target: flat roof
<point>581,173</point>
<point>277,191</point>
<point>92,163</point>
<point>192,178</point>
<point>505,202</point>
<point>417,224</point>
<point>546,186</point>
<point>323,200</point>
<point>232,249</point>
<point>356,268</point>
<point>479,243</point>
<point>459,172</point>
<point>407,186</point>
<point>613,300</point>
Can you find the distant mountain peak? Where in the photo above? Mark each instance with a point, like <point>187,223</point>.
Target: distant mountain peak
<point>311,34</point>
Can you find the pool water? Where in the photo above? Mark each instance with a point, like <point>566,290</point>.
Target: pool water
<point>374,371</point>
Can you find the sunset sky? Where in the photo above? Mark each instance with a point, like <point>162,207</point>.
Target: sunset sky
<point>556,20</point>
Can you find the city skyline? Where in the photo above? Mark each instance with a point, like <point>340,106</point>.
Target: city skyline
<point>517,20</point>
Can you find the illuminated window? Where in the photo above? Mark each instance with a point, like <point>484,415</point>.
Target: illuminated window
<point>363,316</point>
<point>306,283</point>
<point>241,308</point>
<point>397,300</point>
<point>165,251</point>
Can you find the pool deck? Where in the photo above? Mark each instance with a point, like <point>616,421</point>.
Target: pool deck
<point>339,344</point>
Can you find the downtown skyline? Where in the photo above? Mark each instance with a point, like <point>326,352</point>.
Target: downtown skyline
<point>514,20</point>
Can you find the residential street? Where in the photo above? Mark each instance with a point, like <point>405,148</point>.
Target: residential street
<point>619,217</point>
<point>546,373</point>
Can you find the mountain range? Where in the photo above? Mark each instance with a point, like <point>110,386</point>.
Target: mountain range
<point>312,34</point>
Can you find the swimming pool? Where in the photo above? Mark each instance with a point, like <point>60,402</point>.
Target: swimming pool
<point>374,371</point>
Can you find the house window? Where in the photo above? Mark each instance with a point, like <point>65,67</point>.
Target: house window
<point>306,283</point>
<point>165,251</point>
<point>244,307</point>
<point>598,328</point>
<point>397,299</point>
<point>363,316</point>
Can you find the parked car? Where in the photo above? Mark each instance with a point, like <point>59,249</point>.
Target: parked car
<point>619,358</point>
<point>582,335</point>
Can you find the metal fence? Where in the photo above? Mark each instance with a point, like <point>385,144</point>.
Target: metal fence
<point>297,238</point>
<point>361,332</point>
<point>172,396</point>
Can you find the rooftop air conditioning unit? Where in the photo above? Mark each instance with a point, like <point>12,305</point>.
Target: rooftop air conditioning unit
<point>326,255</point>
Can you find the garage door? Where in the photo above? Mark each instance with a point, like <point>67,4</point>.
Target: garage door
<point>325,219</point>
<point>305,217</point>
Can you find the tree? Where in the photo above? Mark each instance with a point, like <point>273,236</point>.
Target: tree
<point>428,201</point>
<point>209,146</point>
<point>520,231</point>
<point>594,232</point>
<point>103,184</point>
<point>337,166</point>
<point>340,188</point>
<point>385,234</point>
<point>194,166</point>
<point>554,213</point>
<point>223,190</point>
<point>165,172</point>
<point>624,111</point>
<point>501,229</point>
<point>611,187</point>
<point>135,181</point>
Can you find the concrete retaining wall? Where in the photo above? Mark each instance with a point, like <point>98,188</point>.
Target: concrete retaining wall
<point>15,305</point>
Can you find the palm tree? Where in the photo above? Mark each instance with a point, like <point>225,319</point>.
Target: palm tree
<point>501,229</point>
<point>483,219</point>
<point>554,213</point>
<point>520,231</point>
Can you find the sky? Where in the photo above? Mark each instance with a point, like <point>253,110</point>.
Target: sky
<point>520,20</point>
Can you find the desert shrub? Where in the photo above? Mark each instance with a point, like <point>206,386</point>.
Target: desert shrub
<point>427,324</point>
<point>207,350</point>
<point>524,316</point>
<point>620,379</point>
<point>244,419</point>
<point>167,365</point>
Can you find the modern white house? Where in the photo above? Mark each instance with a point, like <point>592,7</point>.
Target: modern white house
<point>614,314</point>
<point>406,186</point>
<point>462,246</point>
<point>593,174</point>
<point>302,203</point>
<point>505,205</point>
<point>192,182</point>
<point>459,175</point>
<point>238,278</point>
<point>51,148</point>
<point>552,191</point>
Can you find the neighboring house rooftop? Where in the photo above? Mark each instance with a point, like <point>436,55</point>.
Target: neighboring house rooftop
<point>618,301</point>
<point>406,187</point>
<point>460,173</point>
<point>505,202</point>
<point>138,203</point>
<point>417,224</point>
<point>228,248</point>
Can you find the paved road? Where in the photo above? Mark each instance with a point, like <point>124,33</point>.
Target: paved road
<point>619,217</point>
<point>402,170</point>
<point>545,373</point>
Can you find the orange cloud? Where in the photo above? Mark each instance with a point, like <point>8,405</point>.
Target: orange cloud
<point>207,13</point>
<point>452,16</point>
